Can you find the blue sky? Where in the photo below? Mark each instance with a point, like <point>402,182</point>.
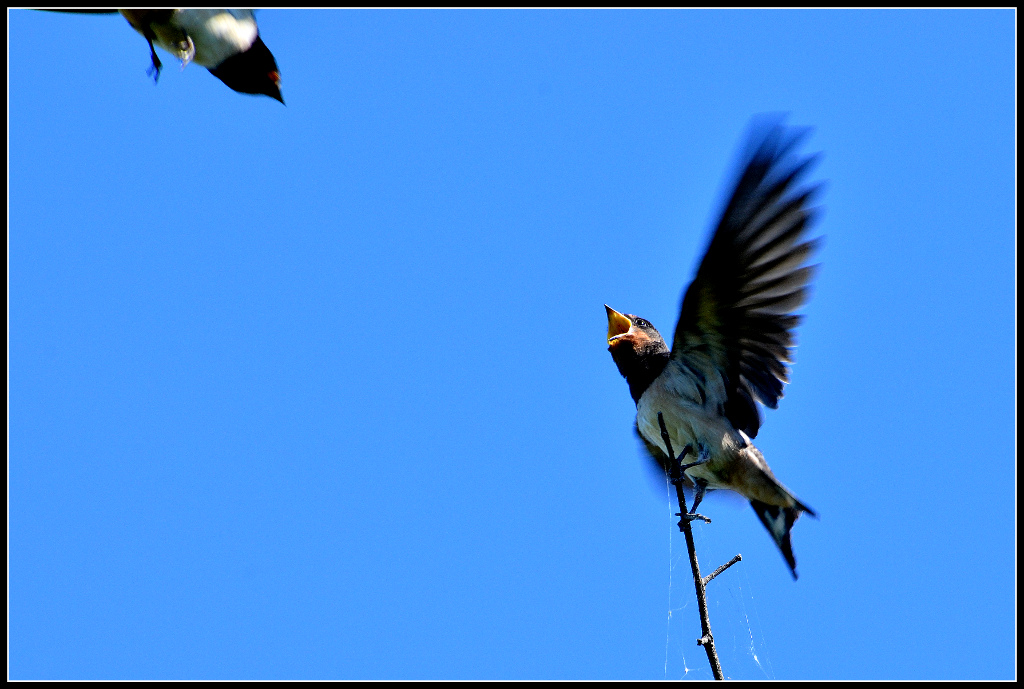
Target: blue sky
<point>322,391</point>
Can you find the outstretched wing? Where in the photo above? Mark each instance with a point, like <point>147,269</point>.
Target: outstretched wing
<point>737,315</point>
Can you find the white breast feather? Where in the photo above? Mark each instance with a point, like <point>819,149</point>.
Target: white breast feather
<point>217,34</point>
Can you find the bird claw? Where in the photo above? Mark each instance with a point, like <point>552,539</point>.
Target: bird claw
<point>691,516</point>
<point>703,456</point>
<point>699,488</point>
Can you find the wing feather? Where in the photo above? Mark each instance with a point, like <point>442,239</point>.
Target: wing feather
<point>737,313</point>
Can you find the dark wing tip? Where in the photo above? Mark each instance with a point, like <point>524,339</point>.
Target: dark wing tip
<point>253,71</point>
<point>804,508</point>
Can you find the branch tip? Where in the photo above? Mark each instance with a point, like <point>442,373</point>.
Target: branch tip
<point>721,569</point>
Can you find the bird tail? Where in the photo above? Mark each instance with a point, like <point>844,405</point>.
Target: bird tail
<point>779,521</point>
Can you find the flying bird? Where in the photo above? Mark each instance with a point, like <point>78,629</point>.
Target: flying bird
<point>226,42</point>
<point>734,339</point>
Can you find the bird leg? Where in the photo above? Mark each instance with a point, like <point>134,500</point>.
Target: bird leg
<point>677,467</point>
<point>154,70</point>
<point>698,493</point>
<point>692,514</point>
<point>678,475</point>
<point>703,455</point>
<point>699,485</point>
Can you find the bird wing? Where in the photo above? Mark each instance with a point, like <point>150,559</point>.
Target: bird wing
<point>737,315</point>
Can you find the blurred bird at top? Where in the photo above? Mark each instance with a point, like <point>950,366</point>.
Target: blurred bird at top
<point>733,340</point>
<point>226,42</point>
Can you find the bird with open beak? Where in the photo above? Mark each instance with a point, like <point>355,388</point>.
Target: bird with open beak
<point>733,341</point>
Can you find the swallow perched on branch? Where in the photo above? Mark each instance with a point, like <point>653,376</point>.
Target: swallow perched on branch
<point>226,42</point>
<point>733,340</point>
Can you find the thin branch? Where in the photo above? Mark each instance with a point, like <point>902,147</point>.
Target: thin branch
<point>721,569</point>
<point>677,478</point>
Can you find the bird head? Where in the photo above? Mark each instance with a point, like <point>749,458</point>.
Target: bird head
<point>629,332</point>
<point>637,348</point>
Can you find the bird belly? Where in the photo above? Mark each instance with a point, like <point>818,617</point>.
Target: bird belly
<point>217,34</point>
<point>690,423</point>
<point>733,461</point>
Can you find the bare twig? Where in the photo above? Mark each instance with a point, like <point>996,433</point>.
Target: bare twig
<point>721,569</point>
<point>677,478</point>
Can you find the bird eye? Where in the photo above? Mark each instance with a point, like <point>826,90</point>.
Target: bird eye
<point>642,323</point>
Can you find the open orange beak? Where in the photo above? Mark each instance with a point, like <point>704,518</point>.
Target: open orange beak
<point>618,325</point>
